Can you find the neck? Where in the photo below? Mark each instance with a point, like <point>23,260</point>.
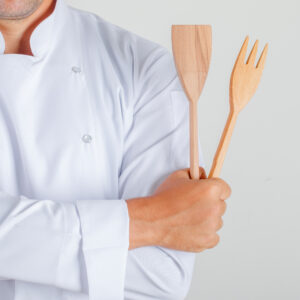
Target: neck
<point>17,32</point>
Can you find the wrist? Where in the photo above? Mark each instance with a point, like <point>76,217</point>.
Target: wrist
<point>143,231</point>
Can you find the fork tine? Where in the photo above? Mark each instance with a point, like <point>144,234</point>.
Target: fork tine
<point>252,54</point>
<point>262,59</point>
<point>242,54</point>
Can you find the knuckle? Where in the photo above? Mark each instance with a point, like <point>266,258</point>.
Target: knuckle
<point>208,240</point>
<point>229,191</point>
<point>221,223</point>
<point>198,249</point>
<point>212,225</point>
<point>226,189</point>
<point>224,207</point>
<point>215,209</point>
<point>216,240</point>
<point>213,241</point>
<point>211,190</point>
<point>199,245</point>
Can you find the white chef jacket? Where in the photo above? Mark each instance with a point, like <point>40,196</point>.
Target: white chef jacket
<point>97,115</point>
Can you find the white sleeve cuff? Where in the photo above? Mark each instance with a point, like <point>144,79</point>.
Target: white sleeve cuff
<point>105,243</point>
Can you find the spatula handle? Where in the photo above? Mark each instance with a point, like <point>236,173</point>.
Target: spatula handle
<point>194,157</point>
<point>223,146</point>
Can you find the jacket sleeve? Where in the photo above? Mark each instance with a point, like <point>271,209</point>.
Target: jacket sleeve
<point>44,241</point>
<point>157,143</point>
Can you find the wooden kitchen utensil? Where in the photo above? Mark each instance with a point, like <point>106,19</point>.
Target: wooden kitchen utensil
<point>244,80</point>
<point>191,45</point>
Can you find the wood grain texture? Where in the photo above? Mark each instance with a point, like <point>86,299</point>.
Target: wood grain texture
<point>244,80</point>
<point>192,46</point>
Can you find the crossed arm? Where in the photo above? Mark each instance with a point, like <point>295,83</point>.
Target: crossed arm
<point>43,241</point>
<point>46,241</point>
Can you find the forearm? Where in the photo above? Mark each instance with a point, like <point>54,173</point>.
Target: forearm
<point>39,242</point>
<point>46,242</point>
<point>154,272</point>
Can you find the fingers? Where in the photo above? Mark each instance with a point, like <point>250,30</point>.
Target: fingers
<point>220,224</point>
<point>226,192</point>
<point>213,241</point>
<point>223,206</point>
<point>224,188</point>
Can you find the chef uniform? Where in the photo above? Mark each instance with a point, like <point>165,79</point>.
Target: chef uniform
<point>97,115</point>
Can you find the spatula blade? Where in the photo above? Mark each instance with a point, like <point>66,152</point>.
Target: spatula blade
<point>192,46</point>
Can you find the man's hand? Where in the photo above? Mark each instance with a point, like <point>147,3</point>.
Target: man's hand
<point>183,213</point>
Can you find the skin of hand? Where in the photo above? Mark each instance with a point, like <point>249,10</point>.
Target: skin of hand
<point>183,213</point>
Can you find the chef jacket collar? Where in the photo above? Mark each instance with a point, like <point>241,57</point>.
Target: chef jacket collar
<point>45,31</point>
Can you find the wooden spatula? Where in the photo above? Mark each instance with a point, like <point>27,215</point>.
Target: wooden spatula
<point>244,80</point>
<point>191,46</point>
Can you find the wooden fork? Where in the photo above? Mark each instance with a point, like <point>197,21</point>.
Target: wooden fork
<point>243,84</point>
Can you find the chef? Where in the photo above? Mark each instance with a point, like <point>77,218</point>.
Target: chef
<point>96,201</point>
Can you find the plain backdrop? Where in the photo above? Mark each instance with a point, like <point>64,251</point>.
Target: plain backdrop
<point>258,256</point>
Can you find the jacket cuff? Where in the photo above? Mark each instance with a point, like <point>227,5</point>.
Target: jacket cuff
<point>105,243</point>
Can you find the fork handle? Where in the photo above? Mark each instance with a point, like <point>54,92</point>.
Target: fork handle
<point>194,157</point>
<point>223,146</point>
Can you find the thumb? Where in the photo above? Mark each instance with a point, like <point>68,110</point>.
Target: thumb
<point>181,173</point>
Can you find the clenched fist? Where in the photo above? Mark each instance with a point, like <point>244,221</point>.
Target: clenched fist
<point>183,213</point>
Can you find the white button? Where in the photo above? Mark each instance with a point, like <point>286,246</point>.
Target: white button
<point>86,138</point>
<point>76,69</point>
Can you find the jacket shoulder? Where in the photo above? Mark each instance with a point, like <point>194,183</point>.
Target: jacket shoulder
<point>113,35</point>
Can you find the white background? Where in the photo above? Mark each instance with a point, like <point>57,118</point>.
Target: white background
<point>258,256</point>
